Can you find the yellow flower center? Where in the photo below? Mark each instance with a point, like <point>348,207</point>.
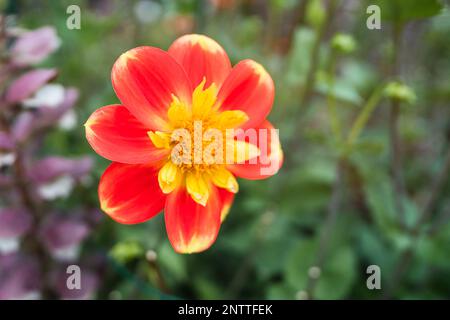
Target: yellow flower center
<point>201,143</point>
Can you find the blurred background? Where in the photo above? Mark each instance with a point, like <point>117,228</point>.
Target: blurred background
<point>363,114</point>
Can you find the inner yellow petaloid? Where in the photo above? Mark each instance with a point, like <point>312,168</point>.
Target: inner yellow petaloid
<point>201,144</point>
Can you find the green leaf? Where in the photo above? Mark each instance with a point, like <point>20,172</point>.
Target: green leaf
<point>434,250</point>
<point>405,10</point>
<point>313,178</point>
<point>126,251</point>
<point>373,249</point>
<point>280,292</point>
<point>360,75</point>
<point>336,277</point>
<point>172,263</point>
<point>380,196</point>
<point>278,235</point>
<point>370,147</point>
<point>207,289</point>
<point>300,56</point>
<point>341,90</point>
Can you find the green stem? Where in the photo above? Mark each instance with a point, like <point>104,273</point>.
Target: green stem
<point>159,279</point>
<point>394,136</point>
<point>331,100</point>
<point>314,57</point>
<point>299,16</point>
<point>325,236</point>
<point>363,117</point>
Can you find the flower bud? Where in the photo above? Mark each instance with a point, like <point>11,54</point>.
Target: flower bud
<point>401,92</point>
<point>315,13</point>
<point>343,43</point>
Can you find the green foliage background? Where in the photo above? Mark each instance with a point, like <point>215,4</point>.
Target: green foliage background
<point>273,233</point>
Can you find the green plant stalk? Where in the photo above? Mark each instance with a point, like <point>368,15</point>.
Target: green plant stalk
<point>314,65</point>
<point>306,93</point>
<point>438,184</point>
<point>332,212</point>
<point>299,17</point>
<point>158,276</point>
<point>395,165</point>
<point>331,100</point>
<point>394,136</point>
<point>364,116</point>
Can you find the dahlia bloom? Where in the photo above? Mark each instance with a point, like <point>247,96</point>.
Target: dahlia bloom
<point>181,111</point>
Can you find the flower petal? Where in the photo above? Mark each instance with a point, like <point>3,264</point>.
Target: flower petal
<point>201,57</point>
<point>28,83</point>
<point>144,79</point>
<point>190,226</point>
<point>130,193</point>
<point>203,99</point>
<point>169,177</point>
<point>270,159</point>
<point>230,119</point>
<point>248,88</point>
<point>115,134</point>
<point>239,151</point>
<point>198,186</point>
<point>223,178</point>
<point>226,198</point>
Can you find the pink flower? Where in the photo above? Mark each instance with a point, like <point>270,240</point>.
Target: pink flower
<point>34,46</point>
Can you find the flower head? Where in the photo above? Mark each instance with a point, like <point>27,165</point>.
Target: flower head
<point>188,125</point>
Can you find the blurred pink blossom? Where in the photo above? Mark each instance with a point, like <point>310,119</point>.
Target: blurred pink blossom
<point>20,277</point>
<point>28,83</point>
<point>14,223</point>
<point>89,284</point>
<point>33,47</point>
<point>51,167</point>
<point>62,236</point>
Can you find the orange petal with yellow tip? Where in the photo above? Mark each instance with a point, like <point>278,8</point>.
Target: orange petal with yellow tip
<point>226,199</point>
<point>115,134</point>
<point>190,226</point>
<point>201,57</point>
<point>269,160</point>
<point>130,193</point>
<point>248,88</point>
<point>144,80</point>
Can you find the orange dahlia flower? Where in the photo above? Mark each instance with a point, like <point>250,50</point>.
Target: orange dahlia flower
<point>190,89</point>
